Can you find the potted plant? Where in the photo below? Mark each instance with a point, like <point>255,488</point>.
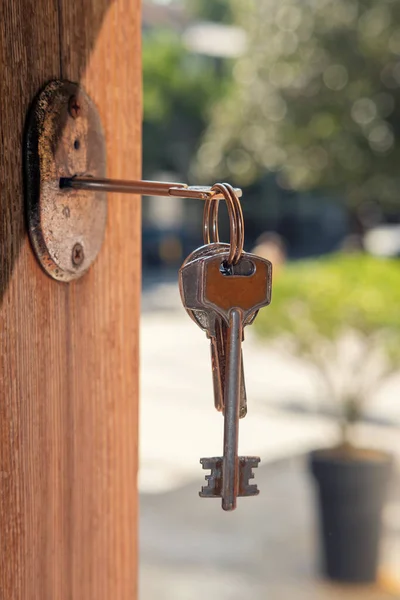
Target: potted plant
<point>341,313</point>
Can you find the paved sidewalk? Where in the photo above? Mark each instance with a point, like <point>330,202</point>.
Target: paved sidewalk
<point>179,423</point>
<point>189,548</point>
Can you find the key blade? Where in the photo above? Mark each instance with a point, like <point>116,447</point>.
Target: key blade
<point>218,361</point>
<point>243,393</point>
<point>218,372</point>
<point>232,404</point>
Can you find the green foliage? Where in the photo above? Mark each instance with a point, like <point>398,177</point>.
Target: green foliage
<point>316,304</point>
<point>218,11</point>
<point>178,90</point>
<point>318,300</point>
<point>317,98</point>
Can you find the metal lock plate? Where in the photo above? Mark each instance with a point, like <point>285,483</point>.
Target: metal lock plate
<point>64,138</point>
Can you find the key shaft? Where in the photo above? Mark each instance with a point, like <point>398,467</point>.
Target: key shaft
<point>230,468</point>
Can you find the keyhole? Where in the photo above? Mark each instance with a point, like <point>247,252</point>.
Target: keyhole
<point>77,144</point>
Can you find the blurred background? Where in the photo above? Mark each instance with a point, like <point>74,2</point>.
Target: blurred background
<point>298,103</point>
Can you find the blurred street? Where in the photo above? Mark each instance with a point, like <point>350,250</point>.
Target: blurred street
<point>189,548</point>
<point>298,104</point>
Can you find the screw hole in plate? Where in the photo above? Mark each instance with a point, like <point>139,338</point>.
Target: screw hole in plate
<point>58,217</point>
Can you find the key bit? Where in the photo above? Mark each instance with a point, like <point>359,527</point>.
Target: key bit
<point>246,466</point>
<point>214,487</point>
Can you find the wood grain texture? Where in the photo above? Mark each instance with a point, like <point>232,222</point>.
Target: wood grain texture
<point>69,352</point>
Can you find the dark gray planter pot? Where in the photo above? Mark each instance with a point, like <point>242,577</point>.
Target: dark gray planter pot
<point>352,487</point>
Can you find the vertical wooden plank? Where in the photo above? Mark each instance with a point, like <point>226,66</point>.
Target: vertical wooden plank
<point>104,309</point>
<point>69,352</point>
<point>29,55</point>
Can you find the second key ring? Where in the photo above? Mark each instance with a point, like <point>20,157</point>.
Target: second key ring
<point>236,222</point>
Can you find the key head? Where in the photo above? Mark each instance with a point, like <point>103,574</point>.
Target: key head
<point>191,282</point>
<point>246,285</point>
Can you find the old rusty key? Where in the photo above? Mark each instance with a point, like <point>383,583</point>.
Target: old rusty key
<point>209,321</point>
<point>235,294</point>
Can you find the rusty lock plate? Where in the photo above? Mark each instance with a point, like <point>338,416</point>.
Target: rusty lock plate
<point>64,138</point>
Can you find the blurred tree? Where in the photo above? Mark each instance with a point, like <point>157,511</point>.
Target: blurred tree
<point>340,314</point>
<point>316,100</point>
<point>179,89</point>
<point>219,11</point>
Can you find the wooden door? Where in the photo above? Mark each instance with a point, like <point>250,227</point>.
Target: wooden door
<point>69,352</point>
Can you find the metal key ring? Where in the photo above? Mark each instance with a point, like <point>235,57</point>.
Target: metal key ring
<point>211,210</point>
<point>239,222</point>
<point>236,222</point>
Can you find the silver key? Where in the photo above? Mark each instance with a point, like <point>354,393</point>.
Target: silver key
<point>209,321</point>
<point>235,297</point>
